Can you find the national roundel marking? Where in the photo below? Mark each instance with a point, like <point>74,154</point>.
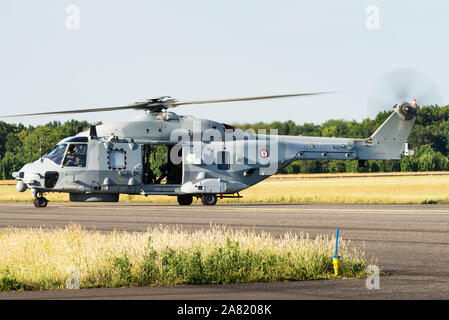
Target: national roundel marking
<point>264,153</point>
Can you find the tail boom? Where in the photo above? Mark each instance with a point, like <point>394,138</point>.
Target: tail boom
<point>388,142</point>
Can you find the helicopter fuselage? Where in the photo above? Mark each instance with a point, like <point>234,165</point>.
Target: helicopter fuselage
<point>196,158</point>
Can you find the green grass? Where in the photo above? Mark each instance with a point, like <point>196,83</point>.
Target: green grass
<point>39,259</point>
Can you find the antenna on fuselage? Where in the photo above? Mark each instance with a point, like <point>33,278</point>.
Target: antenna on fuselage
<point>93,132</point>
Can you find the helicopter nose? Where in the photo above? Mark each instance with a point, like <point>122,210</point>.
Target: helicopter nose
<point>27,177</point>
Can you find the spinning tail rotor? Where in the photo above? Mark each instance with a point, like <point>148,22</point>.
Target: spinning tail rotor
<point>403,87</point>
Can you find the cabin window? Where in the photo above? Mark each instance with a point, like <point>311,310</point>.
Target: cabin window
<point>117,159</point>
<point>224,160</point>
<point>76,156</point>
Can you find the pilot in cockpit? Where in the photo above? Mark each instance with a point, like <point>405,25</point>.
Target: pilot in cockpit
<point>76,156</point>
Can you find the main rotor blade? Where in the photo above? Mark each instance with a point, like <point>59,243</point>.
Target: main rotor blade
<point>134,106</point>
<point>179,103</point>
<point>158,104</point>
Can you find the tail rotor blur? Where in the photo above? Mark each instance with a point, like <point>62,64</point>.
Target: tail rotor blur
<point>402,86</point>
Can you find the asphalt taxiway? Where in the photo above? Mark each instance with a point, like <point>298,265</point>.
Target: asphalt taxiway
<point>408,242</point>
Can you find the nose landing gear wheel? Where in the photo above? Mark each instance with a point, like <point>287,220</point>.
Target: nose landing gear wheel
<point>209,199</point>
<point>185,200</point>
<point>40,202</point>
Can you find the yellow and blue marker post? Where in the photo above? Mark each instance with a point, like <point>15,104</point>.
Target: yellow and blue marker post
<point>336,257</point>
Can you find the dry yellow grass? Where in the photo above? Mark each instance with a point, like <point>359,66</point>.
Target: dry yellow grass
<point>37,259</point>
<point>320,188</point>
<point>370,188</point>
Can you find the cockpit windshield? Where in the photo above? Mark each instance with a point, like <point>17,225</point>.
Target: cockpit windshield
<point>57,154</point>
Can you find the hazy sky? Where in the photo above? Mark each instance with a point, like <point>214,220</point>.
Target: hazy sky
<point>126,51</point>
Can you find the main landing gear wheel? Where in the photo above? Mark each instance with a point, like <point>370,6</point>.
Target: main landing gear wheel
<point>40,202</point>
<point>209,199</point>
<point>185,200</point>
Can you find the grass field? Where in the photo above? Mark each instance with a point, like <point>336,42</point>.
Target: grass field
<point>42,259</point>
<point>432,187</point>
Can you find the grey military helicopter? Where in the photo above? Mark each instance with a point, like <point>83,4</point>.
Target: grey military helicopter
<point>203,158</point>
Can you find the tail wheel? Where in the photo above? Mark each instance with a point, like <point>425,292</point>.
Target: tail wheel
<point>40,202</point>
<point>209,199</point>
<point>185,200</point>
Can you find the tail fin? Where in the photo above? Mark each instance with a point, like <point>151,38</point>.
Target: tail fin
<point>389,141</point>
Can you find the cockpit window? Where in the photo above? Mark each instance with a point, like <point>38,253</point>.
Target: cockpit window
<point>76,156</point>
<point>57,154</point>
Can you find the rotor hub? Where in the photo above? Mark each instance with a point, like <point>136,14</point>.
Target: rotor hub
<point>156,105</point>
<point>407,111</point>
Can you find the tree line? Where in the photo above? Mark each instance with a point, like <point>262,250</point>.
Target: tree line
<point>20,145</point>
<point>429,138</point>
